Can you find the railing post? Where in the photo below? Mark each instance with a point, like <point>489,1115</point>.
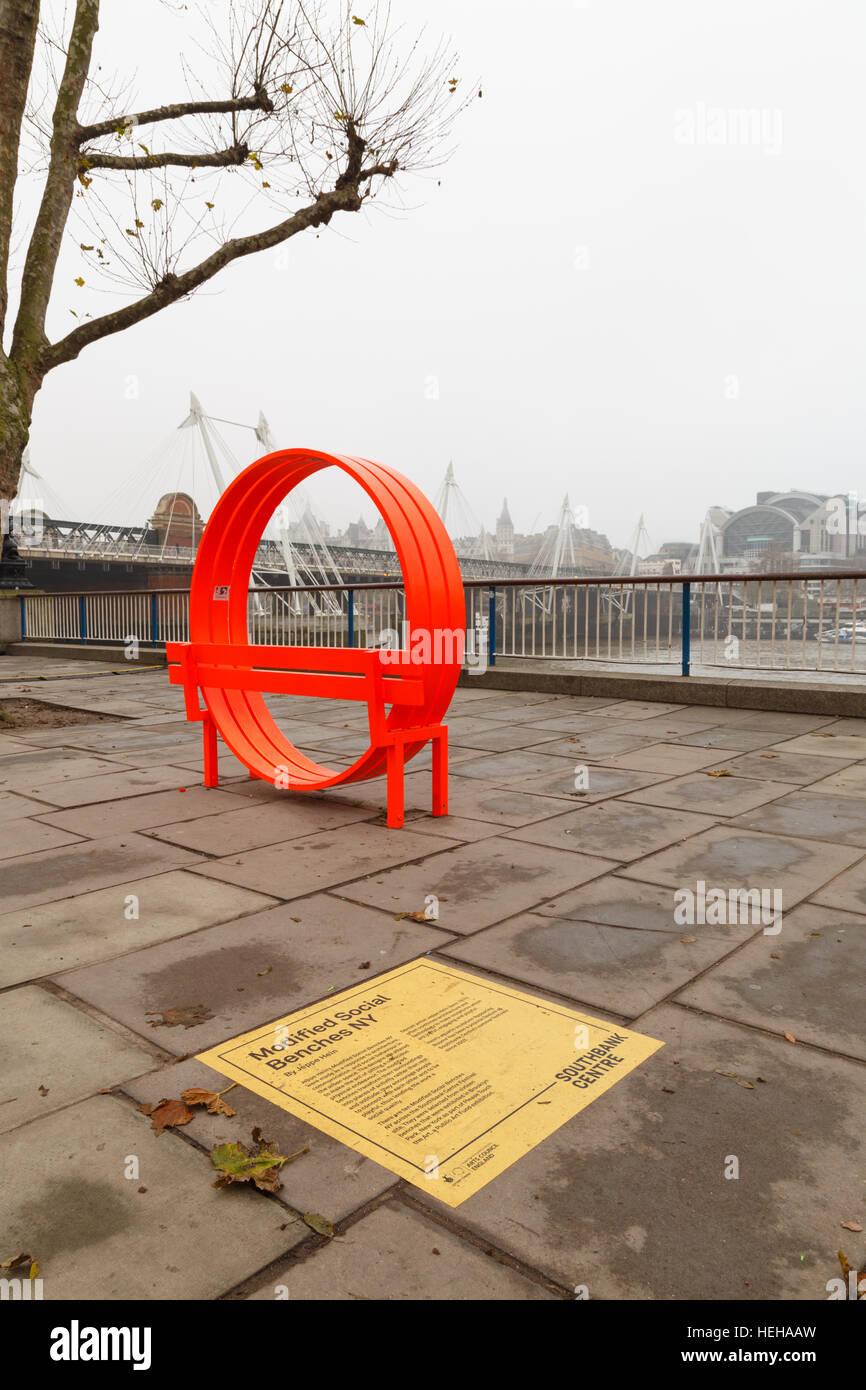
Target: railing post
<point>154,620</point>
<point>491,627</point>
<point>350,597</point>
<point>23,618</point>
<point>82,617</point>
<point>687,628</point>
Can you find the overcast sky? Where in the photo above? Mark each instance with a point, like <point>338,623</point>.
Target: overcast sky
<point>620,290</point>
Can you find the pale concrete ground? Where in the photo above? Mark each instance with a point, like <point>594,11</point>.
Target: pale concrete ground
<point>253,903</point>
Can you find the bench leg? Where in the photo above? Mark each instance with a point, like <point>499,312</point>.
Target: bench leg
<point>440,773</point>
<point>211,763</point>
<point>394,769</point>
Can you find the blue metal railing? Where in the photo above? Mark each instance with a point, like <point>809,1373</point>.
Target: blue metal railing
<point>798,622</point>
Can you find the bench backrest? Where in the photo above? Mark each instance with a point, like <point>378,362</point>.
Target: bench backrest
<point>334,673</point>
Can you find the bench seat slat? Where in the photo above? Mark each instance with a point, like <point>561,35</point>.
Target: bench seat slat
<point>350,659</point>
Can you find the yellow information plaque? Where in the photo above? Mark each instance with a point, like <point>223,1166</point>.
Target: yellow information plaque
<point>442,1077</point>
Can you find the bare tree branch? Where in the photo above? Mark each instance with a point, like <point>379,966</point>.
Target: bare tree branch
<point>219,159</point>
<point>323,106</point>
<point>174,287</point>
<point>175,111</point>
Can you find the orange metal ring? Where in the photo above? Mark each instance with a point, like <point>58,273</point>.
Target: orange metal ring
<point>434,602</point>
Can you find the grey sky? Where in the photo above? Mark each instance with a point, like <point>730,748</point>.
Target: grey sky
<point>607,309</point>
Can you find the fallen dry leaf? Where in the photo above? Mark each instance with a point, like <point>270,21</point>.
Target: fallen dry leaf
<point>260,1164</point>
<point>790,1037</point>
<point>735,1076</point>
<point>412,916</point>
<point>197,1095</point>
<point>769,755</point>
<point>15,1261</point>
<point>686,940</point>
<point>722,772</point>
<point>186,1017</point>
<point>848,1268</point>
<point>167,1115</point>
<point>320,1224</point>
<point>267,970</point>
<point>851,1225</point>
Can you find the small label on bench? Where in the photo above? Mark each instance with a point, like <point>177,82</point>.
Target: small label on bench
<point>221,592</point>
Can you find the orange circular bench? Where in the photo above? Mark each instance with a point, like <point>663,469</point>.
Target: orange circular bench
<point>405,701</point>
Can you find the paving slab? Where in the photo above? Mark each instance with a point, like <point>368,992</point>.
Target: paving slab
<point>778,765</point>
<point>142,812</point>
<point>639,709</point>
<point>595,783</point>
<point>56,1054</point>
<point>521,707</point>
<point>851,781</point>
<point>619,831</point>
<point>779,722</point>
<point>847,891</point>
<point>668,728</point>
<point>52,874</point>
<point>452,827</point>
<point>63,738</point>
<point>579,723</point>
<point>330,1178</point>
<point>615,901</point>
<point>839,819</point>
<point>613,968</point>
<point>14,807</point>
<point>321,860</point>
<point>503,738</point>
<point>248,972</point>
<point>714,796</point>
<point>251,827</point>
<point>479,884</point>
<point>92,926</point>
<point>726,857</point>
<point>599,745</point>
<point>9,745</point>
<point>129,738</point>
<point>45,766</point>
<point>734,740</point>
<point>469,798</point>
<point>857,727</point>
<point>671,758</point>
<point>26,836</point>
<point>807,981</point>
<point>65,1198</point>
<point>498,767</point>
<point>630,1200</point>
<point>85,791</point>
<point>825,745</point>
<point>397,1254</point>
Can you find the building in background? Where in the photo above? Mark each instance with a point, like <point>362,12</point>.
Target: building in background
<point>505,533</point>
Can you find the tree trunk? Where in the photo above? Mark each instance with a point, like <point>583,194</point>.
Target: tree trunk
<point>16,402</point>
